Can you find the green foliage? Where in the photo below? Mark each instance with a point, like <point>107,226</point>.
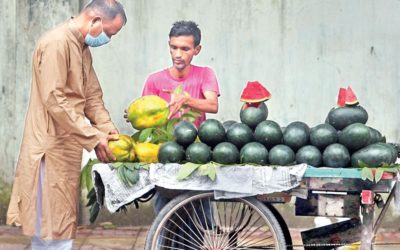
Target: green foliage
<point>375,173</point>
<point>209,169</point>
<point>128,172</point>
<point>86,175</point>
<point>94,207</point>
<point>186,170</point>
<point>164,133</point>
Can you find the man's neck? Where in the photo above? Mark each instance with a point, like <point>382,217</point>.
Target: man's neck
<point>180,73</point>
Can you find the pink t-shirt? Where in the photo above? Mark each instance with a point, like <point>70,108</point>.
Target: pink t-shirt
<point>199,80</point>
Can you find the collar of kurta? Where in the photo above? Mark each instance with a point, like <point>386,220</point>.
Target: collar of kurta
<point>75,31</point>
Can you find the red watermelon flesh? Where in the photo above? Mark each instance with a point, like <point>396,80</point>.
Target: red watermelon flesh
<point>351,98</point>
<point>248,105</point>
<point>255,92</point>
<point>342,97</point>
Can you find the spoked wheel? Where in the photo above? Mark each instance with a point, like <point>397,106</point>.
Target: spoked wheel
<point>197,221</point>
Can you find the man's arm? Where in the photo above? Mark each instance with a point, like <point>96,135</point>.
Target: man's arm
<point>95,110</point>
<point>207,105</point>
<point>210,89</point>
<point>53,68</point>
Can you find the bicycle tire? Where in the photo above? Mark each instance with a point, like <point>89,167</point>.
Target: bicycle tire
<point>250,224</point>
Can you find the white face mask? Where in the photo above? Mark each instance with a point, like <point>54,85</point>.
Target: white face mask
<point>97,41</point>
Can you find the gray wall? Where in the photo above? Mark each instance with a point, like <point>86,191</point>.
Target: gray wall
<point>21,24</point>
<point>302,51</point>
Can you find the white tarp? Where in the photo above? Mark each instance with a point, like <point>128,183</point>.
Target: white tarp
<point>231,182</point>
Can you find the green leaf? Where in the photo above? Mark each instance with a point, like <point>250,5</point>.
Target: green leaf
<point>132,176</point>
<point>159,136</point>
<point>86,174</point>
<point>212,172</point>
<point>178,90</point>
<point>189,115</point>
<point>117,164</point>
<point>385,165</point>
<point>203,169</point>
<point>391,170</point>
<point>378,174</point>
<point>208,169</point>
<point>92,198</point>
<point>132,165</point>
<point>121,175</point>
<point>135,136</point>
<point>94,212</point>
<point>170,126</point>
<point>186,170</point>
<point>91,193</point>
<point>145,135</point>
<point>366,174</point>
<point>145,166</point>
<point>362,164</point>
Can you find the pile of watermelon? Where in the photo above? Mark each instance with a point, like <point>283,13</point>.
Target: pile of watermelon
<point>344,140</point>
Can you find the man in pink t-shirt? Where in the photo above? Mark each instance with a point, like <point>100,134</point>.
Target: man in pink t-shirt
<point>200,82</point>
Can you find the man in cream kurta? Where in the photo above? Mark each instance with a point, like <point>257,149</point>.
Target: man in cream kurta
<point>64,91</point>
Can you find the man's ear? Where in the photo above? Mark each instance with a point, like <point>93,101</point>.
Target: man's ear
<point>197,50</point>
<point>96,19</point>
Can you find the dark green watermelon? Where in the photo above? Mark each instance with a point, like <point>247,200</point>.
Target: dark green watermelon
<point>198,152</point>
<point>336,156</point>
<point>252,116</point>
<point>228,124</point>
<point>281,155</point>
<point>342,117</point>
<point>374,155</point>
<point>239,134</point>
<point>171,152</point>
<point>225,153</point>
<point>296,135</point>
<point>269,133</point>
<point>211,132</point>
<point>355,136</point>
<point>323,135</point>
<point>393,150</point>
<point>375,136</point>
<point>254,153</point>
<point>310,155</point>
<point>185,133</point>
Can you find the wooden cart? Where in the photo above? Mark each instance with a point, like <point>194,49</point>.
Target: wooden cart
<point>196,220</point>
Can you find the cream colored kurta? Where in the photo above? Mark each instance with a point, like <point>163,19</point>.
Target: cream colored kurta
<point>64,91</point>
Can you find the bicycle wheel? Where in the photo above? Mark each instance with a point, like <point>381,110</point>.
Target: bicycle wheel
<point>198,221</point>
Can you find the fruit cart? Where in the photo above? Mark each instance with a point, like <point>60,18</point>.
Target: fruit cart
<point>223,178</point>
<point>197,220</point>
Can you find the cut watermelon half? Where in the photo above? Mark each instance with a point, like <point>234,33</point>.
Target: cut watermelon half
<point>341,102</point>
<point>255,92</point>
<point>351,98</point>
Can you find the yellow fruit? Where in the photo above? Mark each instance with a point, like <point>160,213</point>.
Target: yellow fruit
<point>147,152</point>
<point>123,148</point>
<point>148,112</point>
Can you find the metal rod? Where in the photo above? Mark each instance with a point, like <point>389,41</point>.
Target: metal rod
<point>383,212</point>
<point>367,226</point>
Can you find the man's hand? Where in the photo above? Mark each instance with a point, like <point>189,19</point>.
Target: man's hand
<point>178,101</point>
<point>102,150</point>
<point>177,104</point>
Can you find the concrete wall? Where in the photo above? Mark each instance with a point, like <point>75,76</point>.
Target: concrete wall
<point>302,51</point>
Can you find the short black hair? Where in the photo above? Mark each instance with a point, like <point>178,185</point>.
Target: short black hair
<point>109,8</point>
<point>186,28</point>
